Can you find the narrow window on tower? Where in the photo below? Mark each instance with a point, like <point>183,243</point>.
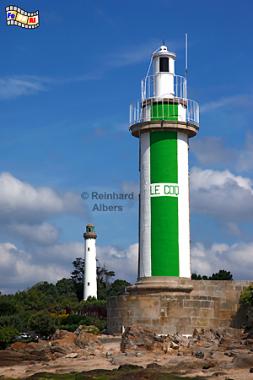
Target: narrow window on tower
<point>164,65</point>
<point>88,284</point>
<point>88,248</point>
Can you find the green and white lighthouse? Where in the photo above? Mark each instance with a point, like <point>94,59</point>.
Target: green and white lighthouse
<point>164,120</point>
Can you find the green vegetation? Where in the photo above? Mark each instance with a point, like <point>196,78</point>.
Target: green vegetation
<point>148,374</point>
<point>46,307</point>
<point>246,297</point>
<point>221,275</point>
<point>7,335</point>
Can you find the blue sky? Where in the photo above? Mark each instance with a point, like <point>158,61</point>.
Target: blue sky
<point>65,90</point>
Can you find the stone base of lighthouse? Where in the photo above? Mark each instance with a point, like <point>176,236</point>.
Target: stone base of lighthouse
<point>168,305</point>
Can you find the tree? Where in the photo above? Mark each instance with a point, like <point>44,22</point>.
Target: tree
<point>103,278</point>
<point>7,308</point>
<point>7,335</point>
<point>77,276</point>
<point>196,276</point>
<point>246,297</point>
<point>221,275</point>
<point>42,324</point>
<point>117,287</point>
<point>65,287</point>
<point>103,281</point>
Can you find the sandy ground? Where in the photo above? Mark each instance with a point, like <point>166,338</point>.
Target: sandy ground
<point>110,357</point>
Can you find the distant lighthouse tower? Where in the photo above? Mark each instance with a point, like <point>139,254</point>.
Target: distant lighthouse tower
<point>164,120</point>
<point>90,266</point>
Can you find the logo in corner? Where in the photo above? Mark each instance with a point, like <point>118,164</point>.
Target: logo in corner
<point>18,17</point>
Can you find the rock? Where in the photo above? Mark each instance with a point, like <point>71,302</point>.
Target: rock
<point>72,355</point>
<point>166,348</point>
<point>87,340</point>
<point>209,336</point>
<point>91,329</point>
<point>174,345</point>
<point>243,361</point>
<point>138,354</point>
<point>58,349</point>
<point>9,358</point>
<point>60,334</point>
<point>199,354</point>
<point>154,365</point>
<point>138,338</point>
<point>251,370</point>
<point>230,354</point>
<point>108,354</point>
<point>181,340</point>
<point>65,339</point>
<point>129,367</point>
<point>112,361</point>
<point>208,365</point>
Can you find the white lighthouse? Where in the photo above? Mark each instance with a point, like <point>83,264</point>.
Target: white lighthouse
<point>90,266</point>
<point>164,120</point>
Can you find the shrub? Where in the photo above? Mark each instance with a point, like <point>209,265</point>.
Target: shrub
<point>42,323</point>
<point>7,335</point>
<point>246,297</point>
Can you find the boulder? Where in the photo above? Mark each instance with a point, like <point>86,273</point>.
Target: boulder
<point>137,338</point>
<point>243,361</point>
<point>91,329</point>
<point>87,340</point>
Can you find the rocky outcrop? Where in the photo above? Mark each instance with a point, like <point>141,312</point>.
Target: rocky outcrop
<point>137,338</point>
<point>86,340</point>
<point>62,344</point>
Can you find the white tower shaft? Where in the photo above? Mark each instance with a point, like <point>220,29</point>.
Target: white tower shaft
<point>90,268</point>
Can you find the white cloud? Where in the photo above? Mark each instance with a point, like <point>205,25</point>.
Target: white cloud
<point>138,53</point>
<point>64,253</point>
<point>245,155</point>
<point>20,201</point>
<point>23,85</point>
<point>236,258</point>
<point>43,233</point>
<point>123,261</point>
<point>20,269</point>
<point>17,269</point>
<point>244,100</point>
<point>14,86</point>
<point>221,194</point>
<point>211,151</point>
<point>233,229</point>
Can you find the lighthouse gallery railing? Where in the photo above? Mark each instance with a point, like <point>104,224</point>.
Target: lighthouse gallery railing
<point>138,112</point>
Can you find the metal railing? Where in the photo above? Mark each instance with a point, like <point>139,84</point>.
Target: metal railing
<point>176,109</point>
<point>148,86</point>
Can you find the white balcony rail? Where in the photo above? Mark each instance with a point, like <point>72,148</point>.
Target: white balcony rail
<point>142,111</point>
<point>148,87</point>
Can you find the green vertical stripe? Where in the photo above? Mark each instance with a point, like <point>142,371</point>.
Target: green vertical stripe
<point>163,160</point>
<point>164,210</point>
<point>161,111</point>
